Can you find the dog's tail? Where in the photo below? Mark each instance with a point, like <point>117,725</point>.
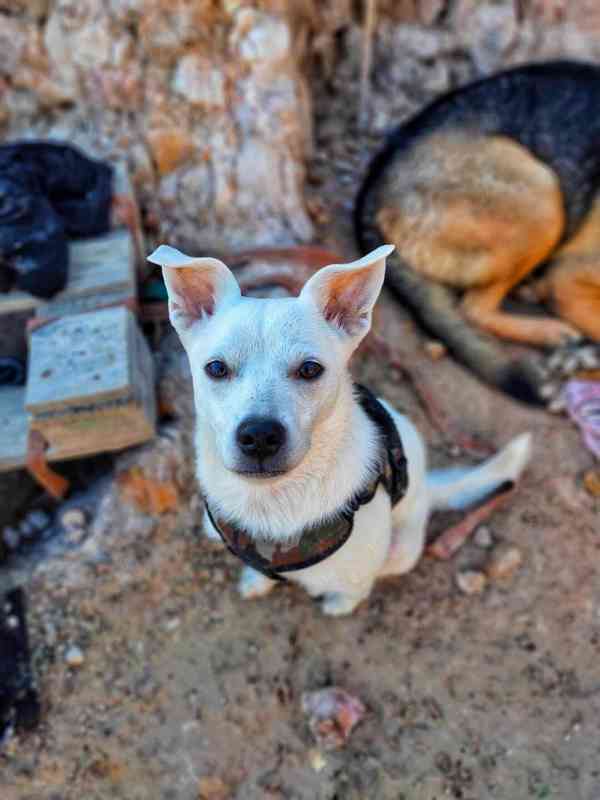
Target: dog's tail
<point>435,309</point>
<point>459,487</point>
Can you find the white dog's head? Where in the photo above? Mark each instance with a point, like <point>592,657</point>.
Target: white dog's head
<point>265,372</point>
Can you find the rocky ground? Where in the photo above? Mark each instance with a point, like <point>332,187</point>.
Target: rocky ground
<point>158,681</point>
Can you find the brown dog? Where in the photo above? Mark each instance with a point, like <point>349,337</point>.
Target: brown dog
<point>481,188</point>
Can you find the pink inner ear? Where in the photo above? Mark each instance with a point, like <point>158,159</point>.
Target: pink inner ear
<point>345,299</point>
<point>195,290</point>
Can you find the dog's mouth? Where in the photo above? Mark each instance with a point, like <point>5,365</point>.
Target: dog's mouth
<point>260,474</point>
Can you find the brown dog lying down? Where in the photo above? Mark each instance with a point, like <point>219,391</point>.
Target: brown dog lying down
<point>485,185</point>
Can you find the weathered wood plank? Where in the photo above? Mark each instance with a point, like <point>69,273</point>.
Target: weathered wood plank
<point>14,427</point>
<point>105,426</point>
<point>80,360</point>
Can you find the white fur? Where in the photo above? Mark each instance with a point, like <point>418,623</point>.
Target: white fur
<point>332,442</point>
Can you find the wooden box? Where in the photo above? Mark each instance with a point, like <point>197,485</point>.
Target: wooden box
<point>90,385</point>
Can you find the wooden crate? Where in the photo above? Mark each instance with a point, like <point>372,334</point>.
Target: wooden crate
<point>90,386</point>
<point>101,273</point>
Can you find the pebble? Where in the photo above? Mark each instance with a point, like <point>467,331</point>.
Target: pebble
<point>213,789</point>
<point>505,560</point>
<point>483,537</point>
<point>218,575</point>
<point>72,518</point>
<point>332,715</point>
<point>471,582</point>
<point>558,405</point>
<point>75,535</point>
<point>11,537</point>
<point>591,481</point>
<point>27,530</point>
<point>435,350</point>
<point>74,656</point>
<point>39,519</point>
<point>589,357</point>
<point>316,759</point>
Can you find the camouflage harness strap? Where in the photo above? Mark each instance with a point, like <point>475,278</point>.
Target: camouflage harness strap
<point>318,542</point>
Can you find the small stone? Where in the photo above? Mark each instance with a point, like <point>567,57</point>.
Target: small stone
<point>558,405</point>
<point>505,560</point>
<point>570,365</point>
<point>11,537</point>
<point>549,390</point>
<point>332,715</point>
<point>316,759</point>
<point>435,350</point>
<point>213,789</point>
<point>218,575</point>
<point>75,535</point>
<point>471,581</point>
<point>72,519</point>
<point>483,537</point>
<point>74,656</point>
<point>591,481</point>
<point>26,529</point>
<point>589,357</point>
<point>39,519</point>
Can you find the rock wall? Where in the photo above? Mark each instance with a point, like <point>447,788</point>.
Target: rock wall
<point>209,100</point>
<point>204,98</point>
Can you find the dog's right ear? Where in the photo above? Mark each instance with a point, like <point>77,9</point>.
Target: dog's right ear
<point>197,287</point>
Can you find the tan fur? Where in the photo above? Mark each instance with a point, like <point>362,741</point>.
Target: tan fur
<point>479,214</point>
<point>572,283</point>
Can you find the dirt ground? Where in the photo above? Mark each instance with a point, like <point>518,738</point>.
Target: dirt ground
<point>187,692</point>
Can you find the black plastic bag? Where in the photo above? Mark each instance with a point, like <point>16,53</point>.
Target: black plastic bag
<point>49,193</point>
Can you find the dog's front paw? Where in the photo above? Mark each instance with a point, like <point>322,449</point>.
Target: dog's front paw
<point>253,584</point>
<point>337,604</point>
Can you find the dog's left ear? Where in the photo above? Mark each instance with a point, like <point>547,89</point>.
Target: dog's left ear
<point>197,287</point>
<point>346,293</point>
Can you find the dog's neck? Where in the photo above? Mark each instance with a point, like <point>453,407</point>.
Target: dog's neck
<point>342,457</point>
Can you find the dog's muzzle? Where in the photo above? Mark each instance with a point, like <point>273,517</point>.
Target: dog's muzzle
<point>261,442</point>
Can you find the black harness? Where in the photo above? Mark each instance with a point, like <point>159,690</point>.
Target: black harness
<point>316,543</point>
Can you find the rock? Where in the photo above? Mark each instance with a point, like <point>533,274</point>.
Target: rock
<point>591,481</point>
<point>471,581</point>
<point>483,537</point>
<point>258,37</point>
<point>316,759</point>
<point>504,562</point>
<point>558,405</point>
<point>170,148</point>
<point>74,536</point>
<point>333,713</point>
<point>213,789</point>
<point>11,537</point>
<point>435,350</point>
<point>26,529</point>
<point>199,81</point>
<point>74,656</point>
<point>72,519</point>
<point>39,520</point>
<point>146,493</point>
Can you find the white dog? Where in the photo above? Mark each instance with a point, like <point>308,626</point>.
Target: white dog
<point>298,466</point>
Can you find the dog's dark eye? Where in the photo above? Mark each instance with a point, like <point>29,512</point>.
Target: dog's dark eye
<point>309,370</point>
<point>216,369</point>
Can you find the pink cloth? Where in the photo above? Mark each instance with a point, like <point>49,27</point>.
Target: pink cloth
<point>583,405</point>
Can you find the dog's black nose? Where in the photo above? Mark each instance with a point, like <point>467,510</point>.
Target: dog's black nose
<point>260,438</point>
